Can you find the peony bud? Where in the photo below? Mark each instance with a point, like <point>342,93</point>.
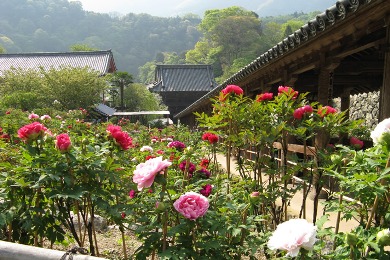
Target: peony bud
<point>254,197</point>
<point>383,237</point>
<point>351,239</point>
<point>160,206</point>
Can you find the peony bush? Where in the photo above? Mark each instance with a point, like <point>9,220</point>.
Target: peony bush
<point>167,186</point>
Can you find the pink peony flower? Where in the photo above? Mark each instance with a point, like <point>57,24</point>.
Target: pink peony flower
<point>63,143</point>
<point>31,131</point>
<point>300,112</point>
<point>326,110</point>
<point>206,191</point>
<point>192,205</point>
<point>292,235</point>
<point>145,173</point>
<point>287,91</point>
<point>33,116</point>
<point>381,132</point>
<point>356,143</point>
<point>264,96</point>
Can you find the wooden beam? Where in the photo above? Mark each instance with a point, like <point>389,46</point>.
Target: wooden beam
<point>384,110</point>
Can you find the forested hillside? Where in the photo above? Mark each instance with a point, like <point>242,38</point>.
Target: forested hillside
<point>227,38</point>
<point>55,25</point>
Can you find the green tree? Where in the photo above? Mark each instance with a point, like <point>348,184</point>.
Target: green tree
<point>121,79</point>
<point>146,72</point>
<point>229,34</point>
<point>23,89</point>
<point>81,47</point>
<point>2,49</point>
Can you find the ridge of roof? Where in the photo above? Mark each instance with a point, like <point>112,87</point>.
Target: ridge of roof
<point>76,53</point>
<point>322,22</point>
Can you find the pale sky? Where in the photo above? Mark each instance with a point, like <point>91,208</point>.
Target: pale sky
<point>163,8</point>
<point>169,8</point>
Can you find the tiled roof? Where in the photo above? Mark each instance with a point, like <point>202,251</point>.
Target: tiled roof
<point>172,78</point>
<point>323,22</point>
<point>101,61</point>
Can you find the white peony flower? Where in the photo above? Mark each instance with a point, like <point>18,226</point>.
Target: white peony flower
<point>382,128</point>
<point>146,148</point>
<point>292,235</point>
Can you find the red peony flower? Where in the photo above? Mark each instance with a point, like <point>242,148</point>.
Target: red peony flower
<point>31,131</point>
<point>288,91</point>
<point>300,112</point>
<point>264,96</point>
<point>122,139</point>
<point>326,110</point>
<point>356,143</point>
<point>212,138</point>
<point>63,143</point>
<point>204,163</point>
<point>112,129</point>
<point>230,89</point>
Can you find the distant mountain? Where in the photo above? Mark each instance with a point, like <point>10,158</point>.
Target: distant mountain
<point>261,7</point>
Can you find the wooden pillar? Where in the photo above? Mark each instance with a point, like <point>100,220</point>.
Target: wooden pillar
<point>384,104</point>
<point>346,101</point>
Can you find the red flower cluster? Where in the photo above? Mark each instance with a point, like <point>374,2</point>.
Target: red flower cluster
<point>63,143</point>
<point>264,96</point>
<point>121,138</point>
<point>31,131</point>
<point>288,91</point>
<point>300,112</point>
<point>212,138</point>
<point>326,110</point>
<point>4,136</point>
<point>204,163</point>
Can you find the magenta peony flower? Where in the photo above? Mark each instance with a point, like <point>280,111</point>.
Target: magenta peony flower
<point>191,167</point>
<point>177,145</point>
<point>356,143</point>
<point>300,112</point>
<point>287,91</point>
<point>132,194</point>
<point>31,131</point>
<point>145,173</point>
<point>63,143</point>
<point>206,191</point>
<point>192,205</point>
<point>204,173</point>
<point>292,235</point>
<point>264,96</point>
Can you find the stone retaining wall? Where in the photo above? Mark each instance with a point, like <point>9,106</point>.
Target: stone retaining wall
<point>363,106</point>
